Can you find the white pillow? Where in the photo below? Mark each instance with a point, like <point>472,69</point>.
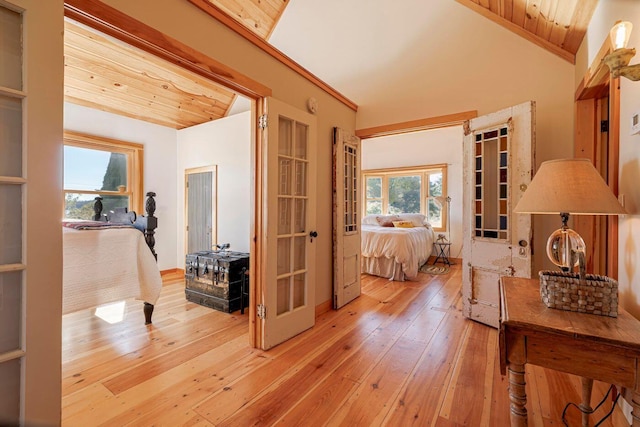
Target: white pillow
<point>418,220</point>
<point>386,220</point>
<point>370,220</point>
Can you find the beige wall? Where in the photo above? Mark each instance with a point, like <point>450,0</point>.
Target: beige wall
<point>188,24</point>
<point>605,16</point>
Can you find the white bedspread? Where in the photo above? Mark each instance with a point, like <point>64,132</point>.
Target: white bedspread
<point>409,247</point>
<point>102,266</point>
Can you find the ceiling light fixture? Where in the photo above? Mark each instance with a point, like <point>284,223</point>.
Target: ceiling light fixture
<point>618,60</point>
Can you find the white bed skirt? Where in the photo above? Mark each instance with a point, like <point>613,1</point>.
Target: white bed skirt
<point>383,267</point>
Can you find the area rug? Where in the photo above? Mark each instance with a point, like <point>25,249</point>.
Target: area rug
<point>435,269</point>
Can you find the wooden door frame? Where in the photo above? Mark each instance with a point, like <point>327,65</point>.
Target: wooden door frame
<point>115,23</point>
<point>595,85</point>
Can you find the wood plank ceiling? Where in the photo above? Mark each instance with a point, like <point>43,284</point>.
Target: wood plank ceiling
<point>556,25</point>
<point>106,74</point>
<point>103,73</point>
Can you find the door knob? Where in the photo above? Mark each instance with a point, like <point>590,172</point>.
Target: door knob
<point>313,234</point>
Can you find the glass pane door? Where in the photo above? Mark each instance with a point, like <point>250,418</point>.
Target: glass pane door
<point>292,208</point>
<point>11,214</point>
<point>491,196</point>
<point>286,294</point>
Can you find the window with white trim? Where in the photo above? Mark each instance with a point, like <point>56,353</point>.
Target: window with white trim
<point>102,167</point>
<point>408,190</point>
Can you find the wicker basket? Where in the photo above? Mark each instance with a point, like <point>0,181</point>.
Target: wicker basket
<point>593,295</point>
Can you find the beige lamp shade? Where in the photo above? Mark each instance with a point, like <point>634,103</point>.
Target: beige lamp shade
<point>571,186</point>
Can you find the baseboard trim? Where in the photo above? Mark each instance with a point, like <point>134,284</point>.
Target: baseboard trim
<point>323,307</point>
<point>172,271</point>
<point>171,275</point>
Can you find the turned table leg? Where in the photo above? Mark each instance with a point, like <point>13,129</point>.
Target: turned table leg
<point>517,395</point>
<point>635,412</point>
<point>585,406</point>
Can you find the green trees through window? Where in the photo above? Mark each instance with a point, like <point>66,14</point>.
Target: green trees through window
<point>102,167</point>
<point>408,190</point>
<point>404,194</point>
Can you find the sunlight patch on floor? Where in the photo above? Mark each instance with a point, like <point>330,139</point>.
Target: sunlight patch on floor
<point>111,313</point>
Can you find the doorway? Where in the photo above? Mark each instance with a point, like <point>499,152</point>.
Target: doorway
<point>201,208</point>
<point>113,23</point>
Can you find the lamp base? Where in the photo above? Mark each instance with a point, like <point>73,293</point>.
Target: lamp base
<point>563,246</point>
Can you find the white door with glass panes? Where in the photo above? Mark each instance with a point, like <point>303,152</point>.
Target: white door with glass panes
<point>31,103</point>
<point>346,217</point>
<point>288,294</point>
<point>498,163</point>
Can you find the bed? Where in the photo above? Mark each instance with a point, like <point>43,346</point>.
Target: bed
<point>395,246</point>
<point>111,259</point>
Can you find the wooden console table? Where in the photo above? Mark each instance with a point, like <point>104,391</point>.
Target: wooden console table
<point>591,346</point>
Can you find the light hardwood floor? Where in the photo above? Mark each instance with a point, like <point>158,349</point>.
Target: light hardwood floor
<point>401,354</point>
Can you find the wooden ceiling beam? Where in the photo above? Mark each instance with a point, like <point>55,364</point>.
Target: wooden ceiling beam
<point>417,125</point>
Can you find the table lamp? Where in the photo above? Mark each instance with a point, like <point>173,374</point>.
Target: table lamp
<point>568,186</point>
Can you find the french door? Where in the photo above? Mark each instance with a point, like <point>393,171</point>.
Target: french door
<point>287,295</point>
<point>346,217</point>
<point>31,99</point>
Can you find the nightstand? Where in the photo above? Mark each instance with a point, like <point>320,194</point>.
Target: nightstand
<point>443,251</point>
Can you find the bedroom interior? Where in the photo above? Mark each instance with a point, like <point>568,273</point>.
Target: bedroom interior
<point>551,79</point>
<point>176,138</point>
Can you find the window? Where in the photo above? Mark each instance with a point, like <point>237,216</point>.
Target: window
<point>491,183</point>
<point>100,167</point>
<point>408,190</point>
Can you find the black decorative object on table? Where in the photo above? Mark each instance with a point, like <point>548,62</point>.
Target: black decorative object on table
<point>217,279</point>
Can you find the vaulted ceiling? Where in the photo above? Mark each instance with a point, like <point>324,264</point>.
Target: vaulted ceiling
<point>103,73</point>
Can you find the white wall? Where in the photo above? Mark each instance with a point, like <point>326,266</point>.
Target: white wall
<point>227,144</point>
<point>605,16</point>
<point>159,166</point>
<point>424,148</point>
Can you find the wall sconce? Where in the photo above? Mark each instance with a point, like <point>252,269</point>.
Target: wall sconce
<point>618,60</point>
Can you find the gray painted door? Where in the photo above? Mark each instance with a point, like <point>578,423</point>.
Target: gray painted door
<point>200,191</point>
